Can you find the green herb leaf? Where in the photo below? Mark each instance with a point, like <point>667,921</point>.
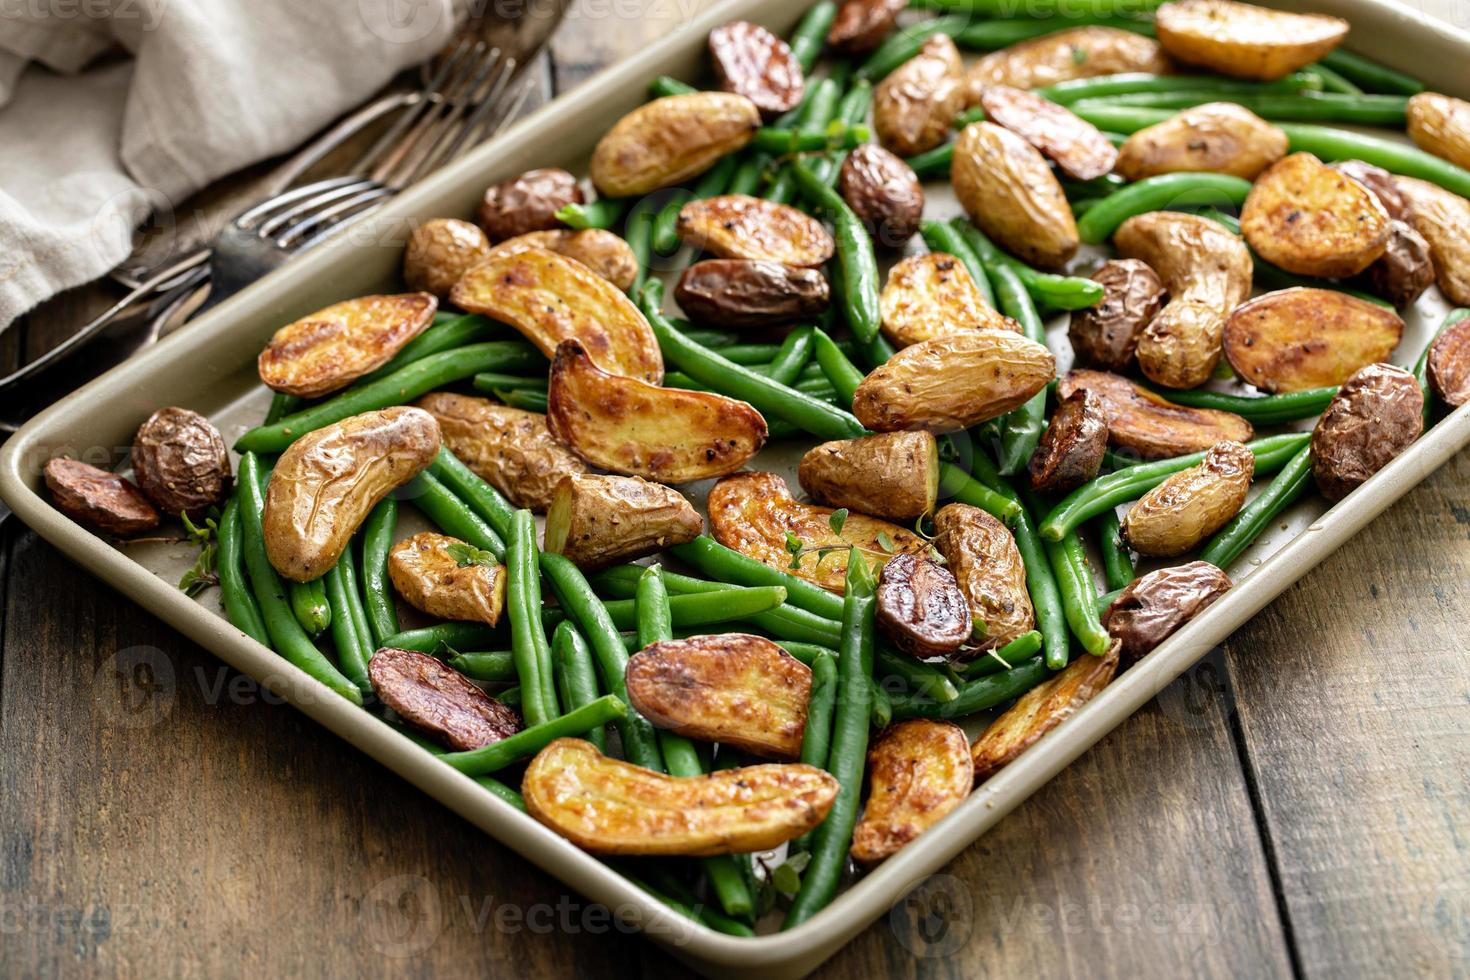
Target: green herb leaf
<point>978,629</point>
<point>465,555</point>
<point>885,542</point>
<point>786,879</point>
<point>936,557</point>
<point>793,543</point>
<point>838,518</point>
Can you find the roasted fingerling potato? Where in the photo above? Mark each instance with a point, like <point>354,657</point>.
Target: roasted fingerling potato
<point>1076,146</point>
<point>933,295</point>
<point>1313,220</point>
<point>1443,218</point>
<point>1148,426</point>
<point>918,771</point>
<point>1375,415</point>
<point>1448,365</point>
<point>438,700</point>
<point>892,475</point>
<point>882,190</point>
<point>439,252</point>
<point>1405,269</point>
<point>1294,339</point>
<point>180,462</point>
<point>445,578</point>
<point>1244,40</point>
<point>751,61</point>
<point>1078,52</point>
<point>862,25</point>
<point>331,348</point>
<point>982,555</point>
<point>670,140</point>
<point>920,607</point>
<point>915,104</point>
<point>527,202</point>
<point>597,520</point>
<point>1383,184</point>
<point>1010,193</point>
<point>1153,607</point>
<point>1105,336</point>
<point>1218,137</point>
<point>1191,505</point>
<point>98,498</point>
<point>1440,125</point>
<point>738,226</point>
<point>601,251</point>
<point>742,293</point>
<point>1072,447</point>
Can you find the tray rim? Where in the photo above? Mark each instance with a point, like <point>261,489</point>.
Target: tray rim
<point>791,953</point>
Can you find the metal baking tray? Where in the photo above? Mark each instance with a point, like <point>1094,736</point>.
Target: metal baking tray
<point>211,367</point>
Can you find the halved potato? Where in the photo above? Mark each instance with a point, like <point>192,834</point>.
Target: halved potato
<point>669,140</point>
<point>440,251</point>
<point>599,250</point>
<point>596,520</point>
<point>438,700</point>
<point>1441,125</point>
<point>953,382</point>
<point>1078,52</point>
<point>1149,426</point>
<point>550,298</point>
<point>1301,338</point>
<point>626,426</point>
<point>1313,220</point>
<point>1155,605</point>
<point>1007,188</point>
<point>1244,40</point>
<point>1218,137</point>
<point>1191,505</point>
<point>331,348</point>
<point>735,689</point>
<point>894,475</point>
<point>931,295</point>
<point>753,513</point>
<point>921,609</point>
<point>1076,146</point>
<point>918,771</point>
<point>1375,415</point>
<point>1448,365</point>
<point>982,554</point>
<point>915,104</point>
<point>1040,710</point>
<point>608,806</point>
<point>1443,218</point>
<point>738,226</point>
<point>437,575</point>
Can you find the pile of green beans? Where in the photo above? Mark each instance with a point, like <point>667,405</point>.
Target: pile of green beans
<point>234,585</point>
<point>1020,429</point>
<point>528,644</point>
<point>854,254</point>
<point>576,673</point>
<point>980,694</point>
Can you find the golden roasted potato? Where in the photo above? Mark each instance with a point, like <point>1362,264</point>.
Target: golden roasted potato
<point>1440,125</point>
<point>601,251</point>
<point>1077,147</point>
<point>326,482</point>
<point>753,513</point>
<point>1153,606</point>
<point>508,448</point>
<point>751,61</point>
<point>1040,710</point>
<point>953,382</point>
<point>1078,52</point>
<point>932,295</point>
<point>1244,40</point>
<point>915,104</point>
<point>1150,427</point>
<point>1071,449</point>
<point>734,688</point>
<point>1375,415</point>
<point>551,298</point>
<point>893,475</point>
<point>1191,505</point>
<point>1207,272</point>
<point>1443,218</point>
<point>1105,336</point>
<point>986,563</point>
<point>527,202</point>
<point>98,498</point>
<point>439,252</point>
<point>1218,137</point>
<point>444,577</point>
<point>738,226</point>
<point>920,607</point>
<point>918,771</point>
<point>664,434</point>
<point>331,348</point>
<point>597,520</point>
<point>181,463</point>
<point>608,806</point>
<point>1313,220</point>
<point>669,140</point>
<point>1011,194</point>
<point>1293,339</point>
<point>438,700</point>
<point>1449,365</point>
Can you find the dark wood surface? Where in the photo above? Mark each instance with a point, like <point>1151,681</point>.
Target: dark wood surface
<point>1297,803</point>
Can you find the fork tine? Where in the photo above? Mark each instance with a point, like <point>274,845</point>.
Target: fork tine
<point>427,125</point>
<point>410,116</point>
<point>488,85</point>
<point>462,140</point>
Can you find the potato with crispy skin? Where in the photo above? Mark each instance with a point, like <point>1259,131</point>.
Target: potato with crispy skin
<point>664,434</point>
<point>1071,449</point>
<point>1405,269</point>
<point>953,382</point>
<point>920,607</point>
<point>1010,193</point>
<point>1449,365</point>
<point>442,576</point>
<point>753,513</point>
<point>1440,125</point>
<point>326,482</point>
<point>933,295</point>
<point>1313,220</point>
<point>1443,218</point>
<point>509,448</point>
<point>1147,426</point>
<point>734,688</point>
<point>1106,335</point>
<point>1383,184</point>
<point>1076,146</point>
<point>741,293</point>
<point>1375,415</point>
<point>918,772</point>
<point>751,61</point>
<point>180,462</point>
<point>915,104</point>
<point>893,475</point>
<point>1243,40</point>
<point>438,700</point>
<point>862,25</point>
<point>981,553</point>
<point>608,806</point>
<point>1191,505</point>
<point>318,354</point>
<point>1079,52</point>
<point>98,498</point>
<point>601,251</point>
<point>882,190</point>
<point>738,226</point>
<point>1152,607</point>
<point>1294,339</point>
<point>527,202</point>
<point>670,140</point>
<point>439,252</point>
<point>597,520</point>
<point>551,298</point>
<point>1218,137</point>
<point>1040,710</point>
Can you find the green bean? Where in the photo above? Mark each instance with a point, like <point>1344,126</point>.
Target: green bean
<point>1065,10</point>
<point>574,668</point>
<point>1060,292</point>
<point>1362,110</point>
<point>705,608</point>
<point>286,635</point>
<point>1117,560</point>
<point>932,163</point>
<point>1023,647</point>
<point>527,742</point>
<point>880,714</point>
<point>495,666</point>
<point>1372,76</point>
<point>1421,366</point>
<point>817,114</point>
<point>930,680</point>
<point>1254,517</point>
<point>403,385</point>
<point>466,484</point>
<point>711,183</point>
<point>527,633</point>
<point>811,34</point>
<point>502,792</point>
<point>848,753</point>
<point>446,636</point>
<point>377,540</point>
<point>349,623</point>
<point>749,175</point>
<point>1260,409</point>
<point>690,908</point>
<point>464,329</point>
<point>973,114</point>
<point>748,355</point>
<point>234,586</point>
<point>1021,428</point>
<point>309,606</point>
<point>978,695</point>
<point>510,697</point>
<point>877,351</point>
<point>1103,86</point>
<point>1331,81</point>
<point>601,213</point>
<point>957,484</point>
<point>853,109</point>
<point>453,516</point>
<point>793,355</point>
<point>1171,191</point>
<point>666,85</point>
<point>903,44</point>
<point>841,372</point>
<point>282,405</point>
<point>816,740</point>
<point>493,381</point>
<point>768,397</point>
<point>854,253</point>
<point>638,233</point>
<point>723,564</point>
<point>1104,601</point>
<point>771,139</point>
<point>526,399</point>
<point>1092,498</point>
<point>941,237</point>
<point>1075,582</point>
<point>640,746</point>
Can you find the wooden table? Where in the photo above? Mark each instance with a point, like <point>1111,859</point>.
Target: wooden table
<point>1297,803</point>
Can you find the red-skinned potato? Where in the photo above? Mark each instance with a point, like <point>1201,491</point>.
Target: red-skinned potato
<point>1153,606</point>
<point>1313,220</point>
<point>1243,40</point>
<point>1406,268</point>
<point>982,555</point>
<point>180,462</point>
<point>741,293</point>
<point>1079,52</point>
<point>918,771</point>
<point>98,499</point>
<point>1010,193</point>
<point>1147,426</point>
<point>670,140</point>
<point>1375,415</point>
<point>892,475</point>
<point>920,607</point>
<point>933,295</point>
<point>439,252</point>
<point>1076,146</point>
<point>601,251</point>
<point>1071,449</point>
<point>882,190</point>
<point>1294,339</point>
<point>442,576</point>
<point>862,25</point>
<point>751,61</point>
<point>627,426</point>
<point>438,700</point>
<point>738,226</point>
<point>1449,365</point>
<point>318,354</point>
<point>597,520</point>
<point>914,105</point>
<point>1218,137</point>
<point>1191,505</point>
<point>527,202</point>
<point>1105,336</point>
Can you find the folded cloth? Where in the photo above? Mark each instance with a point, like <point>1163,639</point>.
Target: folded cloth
<point>91,143</point>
